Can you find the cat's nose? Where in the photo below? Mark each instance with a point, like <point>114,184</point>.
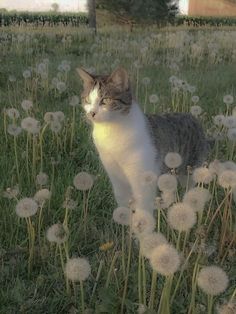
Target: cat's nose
<point>92,113</point>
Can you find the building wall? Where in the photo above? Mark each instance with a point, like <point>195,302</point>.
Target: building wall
<point>212,8</point>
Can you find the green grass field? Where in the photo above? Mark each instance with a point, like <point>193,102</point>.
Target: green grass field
<point>40,66</point>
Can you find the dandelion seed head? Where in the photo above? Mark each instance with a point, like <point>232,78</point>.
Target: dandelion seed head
<point>11,193</point>
<point>83,181</point>
<point>195,99</point>
<point>232,134</point>
<point>165,260</point>
<point>42,178</point>
<point>42,196</point>
<point>153,99</point>
<point>49,117</point>
<point>202,175</point>
<point>219,120</point>
<point>12,113</point>
<point>167,182</point>
<point>196,198</point>
<point>229,308</point>
<point>27,105</point>
<point>212,280</point>
<point>57,234</point>
<point>181,217</point>
<point>61,86</point>
<point>77,269</point>
<point>142,222</point>
<point>173,160</point>
<point>146,81</point>
<point>196,110</point>
<point>228,99</point>
<point>122,216</point>
<point>14,130</point>
<point>168,198</point>
<point>150,241</point>
<point>26,74</point>
<point>74,101</point>
<point>230,122</point>
<point>30,125</point>
<point>227,179</point>
<point>26,207</point>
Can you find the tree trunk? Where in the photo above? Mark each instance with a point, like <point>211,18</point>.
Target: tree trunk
<point>92,15</point>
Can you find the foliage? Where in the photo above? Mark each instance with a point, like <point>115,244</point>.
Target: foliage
<point>42,19</point>
<point>205,21</point>
<point>138,10</point>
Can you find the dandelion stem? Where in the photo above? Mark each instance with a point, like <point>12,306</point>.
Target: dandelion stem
<point>82,296</point>
<point>16,158</point>
<point>127,272</point>
<point>153,290</point>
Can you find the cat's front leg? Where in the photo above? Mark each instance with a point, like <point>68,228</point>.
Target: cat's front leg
<point>142,174</point>
<point>121,187</point>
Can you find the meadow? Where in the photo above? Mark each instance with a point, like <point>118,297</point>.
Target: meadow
<point>64,246</point>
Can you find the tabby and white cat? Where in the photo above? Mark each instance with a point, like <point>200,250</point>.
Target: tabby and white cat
<point>131,143</point>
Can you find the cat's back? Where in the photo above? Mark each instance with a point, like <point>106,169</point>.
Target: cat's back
<point>181,133</point>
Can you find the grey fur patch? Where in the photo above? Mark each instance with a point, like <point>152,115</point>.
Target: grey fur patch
<point>180,133</point>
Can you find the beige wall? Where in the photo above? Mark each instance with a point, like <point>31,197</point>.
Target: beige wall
<point>212,8</point>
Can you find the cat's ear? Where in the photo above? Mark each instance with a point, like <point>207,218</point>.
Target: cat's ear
<point>87,78</point>
<point>120,78</point>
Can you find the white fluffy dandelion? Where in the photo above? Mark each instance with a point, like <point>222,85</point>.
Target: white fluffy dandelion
<point>12,113</point>
<point>230,122</point>
<point>14,130</point>
<point>142,222</point>
<point>77,269</point>
<point>228,99</point>
<point>167,182</point>
<point>83,181</point>
<point>219,120</point>
<point>196,110</point>
<point>181,217</point>
<point>202,175</point>
<point>227,179</point>
<point>74,101</point>
<point>26,207</point>
<point>153,99</point>
<point>27,105</point>
<point>57,234</point>
<point>165,260</point>
<point>30,125</point>
<point>42,196</point>
<point>195,99</point>
<point>173,160</point>
<point>122,215</point>
<point>150,241</point>
<point>42,178</point>
<point>196,198</point>
<point>232,134</point>
<point>212,280</point>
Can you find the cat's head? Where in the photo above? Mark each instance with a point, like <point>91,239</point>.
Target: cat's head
<point>106,97</point>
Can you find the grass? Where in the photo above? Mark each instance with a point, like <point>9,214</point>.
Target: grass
<point>43,289</point>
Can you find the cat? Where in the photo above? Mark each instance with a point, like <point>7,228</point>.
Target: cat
<point>131,143</point>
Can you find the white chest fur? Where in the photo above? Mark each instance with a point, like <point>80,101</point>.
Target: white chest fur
<point>127,152</point>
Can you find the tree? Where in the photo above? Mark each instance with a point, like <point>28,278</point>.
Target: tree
<point>55,7</point>
<point>132,11</point>
<point>91,4</point>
